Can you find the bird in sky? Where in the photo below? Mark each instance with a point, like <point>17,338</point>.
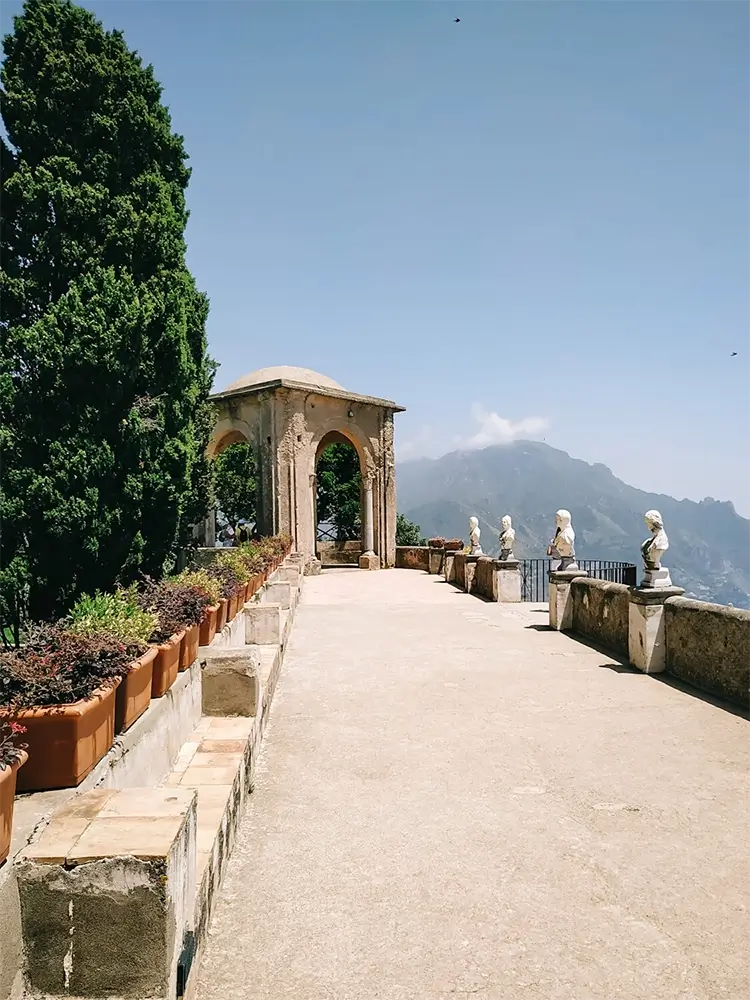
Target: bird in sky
<point>733,354</point>
<point>456,20</point>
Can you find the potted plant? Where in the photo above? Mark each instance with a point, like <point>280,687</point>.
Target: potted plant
<point>195,600</point>
<point>210,586</point>
<point>120,615</point>
<point>229,581</point>
<point>436,543</point>
<point>165,603</point>
<point>254,565</point>
<point>453,545</point>
<point>12,756</point>
<point>61,687</point>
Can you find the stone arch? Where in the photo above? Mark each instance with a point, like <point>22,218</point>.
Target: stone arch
<point>228,432</point>
<point>332,431</point>
<point>327,549</point>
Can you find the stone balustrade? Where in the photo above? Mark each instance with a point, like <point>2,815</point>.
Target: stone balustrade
<point>600,612</point>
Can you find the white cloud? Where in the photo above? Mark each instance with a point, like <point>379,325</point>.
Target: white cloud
<point>422,444</point>
<point>491,429</point>
<point>494,429</point>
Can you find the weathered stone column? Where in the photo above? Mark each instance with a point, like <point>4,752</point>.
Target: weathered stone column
<point>646,634</point>
<point>435,557</point>
<point>506,587</point>
<point>469,572</point>
<point>449,565</point>
<point>560,598</point>
<point>368,559</point>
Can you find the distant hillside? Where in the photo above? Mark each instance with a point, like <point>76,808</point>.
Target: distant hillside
<point>709,542</point>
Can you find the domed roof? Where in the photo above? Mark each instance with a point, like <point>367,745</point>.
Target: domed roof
<point>286,372</point>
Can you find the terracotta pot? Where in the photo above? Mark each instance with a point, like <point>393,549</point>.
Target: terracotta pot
<point>453,546</point>
<point>221,614</point>
<point>189,649</point>
<point>134,693</point>
<point>207,629</point>
<point>234,602</point>
<point>7,796</point>
<point>65,742</point>
<point>166,665</point>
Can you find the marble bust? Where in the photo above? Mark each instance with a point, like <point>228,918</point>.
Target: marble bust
<point>507,537</point>
<point>562,546</point>
<point>474,535</point>
<point>655,575</point>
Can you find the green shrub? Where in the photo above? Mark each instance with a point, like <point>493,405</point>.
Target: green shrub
<point>117,614</point>
<point>202,580</point>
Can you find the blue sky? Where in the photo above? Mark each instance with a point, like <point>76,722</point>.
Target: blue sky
<point>540,214</point>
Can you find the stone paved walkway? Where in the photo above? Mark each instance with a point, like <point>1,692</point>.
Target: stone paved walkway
<point>454,803</point>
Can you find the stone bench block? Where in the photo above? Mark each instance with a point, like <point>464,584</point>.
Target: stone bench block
<point>107,895</point>
<point>263,624</point>
<point>289,574</point>
<point>279,592</point>
<point>231,681</point>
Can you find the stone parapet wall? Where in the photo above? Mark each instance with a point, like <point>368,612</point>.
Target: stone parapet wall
<point>413,557</point>
<point>339,553</point>
<point>600,612</point>
<point>708,646</point>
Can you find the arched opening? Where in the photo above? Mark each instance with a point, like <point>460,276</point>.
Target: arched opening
<point>338,501</point>
<point>236,490</point>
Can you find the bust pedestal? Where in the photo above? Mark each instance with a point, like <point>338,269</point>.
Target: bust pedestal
<point>657,579</point>
<point>560,600</point>
<point>646,646</point>
<point>506,586</point>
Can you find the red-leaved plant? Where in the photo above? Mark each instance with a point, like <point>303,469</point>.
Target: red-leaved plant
<point>10,748</point>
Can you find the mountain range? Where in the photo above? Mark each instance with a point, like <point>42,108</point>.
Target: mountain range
<point>709,542</point>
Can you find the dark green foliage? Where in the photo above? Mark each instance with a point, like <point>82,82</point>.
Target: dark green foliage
<point>235,482</point>
<point>408,533</point>
<point>104,375</point>
<point>339,490</point>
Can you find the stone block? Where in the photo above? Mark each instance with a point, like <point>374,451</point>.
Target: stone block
<point>449,567</point>
<point>435,561</point>
<point>561,599</point>
<point>507,582</point>
<point>107,895</point>
<point>369,560</point>
<point>279,592</point>
<point>647,647</point>
<point>289,574</point>
<point>231,681</point>
<point>263,624</point>
<point>469,567</point>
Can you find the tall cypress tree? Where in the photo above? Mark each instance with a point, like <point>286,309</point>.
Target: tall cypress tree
<point>104,374</point>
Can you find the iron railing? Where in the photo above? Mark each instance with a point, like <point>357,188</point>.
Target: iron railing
<point>535,575</point>
<point>328,532</point>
